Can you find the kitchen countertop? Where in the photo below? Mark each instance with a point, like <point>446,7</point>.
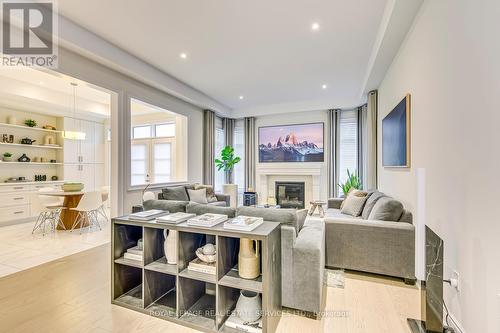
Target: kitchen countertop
<point>32,182</point>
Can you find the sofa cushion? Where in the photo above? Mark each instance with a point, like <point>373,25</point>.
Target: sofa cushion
<point>172,206</point>
<point>198,196</point>
<point>406,217</point>
<point>370,202</point>
<point>210,192</point>
<point>301,218</point>
<point>198,209</point>
<point>386,209</point>
<point>333,213</point>
<point>282,215</point>
<point>353,205</point>
<point>175,193</point>
<point>218,203</point>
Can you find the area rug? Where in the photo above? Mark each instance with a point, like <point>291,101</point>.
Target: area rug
<point>334,278</point>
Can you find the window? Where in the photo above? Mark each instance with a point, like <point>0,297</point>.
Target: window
<point>239,150</point>
<point>348,143</point>
<point>158,145</point>
<point>220,141</point>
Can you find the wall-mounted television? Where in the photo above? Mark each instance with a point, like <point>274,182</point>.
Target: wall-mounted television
<point>396,136</point>
<point>291,143</point>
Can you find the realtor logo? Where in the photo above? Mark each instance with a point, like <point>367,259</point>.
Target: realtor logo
<point>28,37</point>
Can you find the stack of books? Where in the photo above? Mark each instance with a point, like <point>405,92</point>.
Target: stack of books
<point>175,218</point>
<point>207,220</point>
<point>243,223</point>
<point>237,323</point>
<point>198,265</point>
<point>134,253</point>
<point>147,215</point>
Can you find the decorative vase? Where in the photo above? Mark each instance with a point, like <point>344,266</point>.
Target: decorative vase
<point>232,191</point>
<point>169,246</point>
<point>24,158</point>
<point>249,306</point>
<point>248,259</point>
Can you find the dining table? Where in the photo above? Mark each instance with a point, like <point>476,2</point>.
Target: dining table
<point>68,216</point>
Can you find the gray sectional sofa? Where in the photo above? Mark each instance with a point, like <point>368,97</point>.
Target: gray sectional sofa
<point>380,241</point>
<point>302,249</point>
<point>180,193</point>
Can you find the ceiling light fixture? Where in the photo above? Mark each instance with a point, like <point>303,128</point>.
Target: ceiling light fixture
<point>241,97</point>
<point>315,26</point>
<point>324,86</point>
<point>74,135</point>
<point>183,55</point>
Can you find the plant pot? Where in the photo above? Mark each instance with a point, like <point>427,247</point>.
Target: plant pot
<point>249,306</point>
<point>7,159</point>
<point>232,191</point>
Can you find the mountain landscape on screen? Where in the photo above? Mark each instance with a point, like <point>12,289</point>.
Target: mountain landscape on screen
<point>292,143</point>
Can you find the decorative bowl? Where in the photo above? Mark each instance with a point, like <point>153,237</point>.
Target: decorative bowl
<point>72,187</point>
<point>208,258</point>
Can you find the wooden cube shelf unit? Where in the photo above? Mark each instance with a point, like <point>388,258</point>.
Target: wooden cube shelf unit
<point>197,300</point>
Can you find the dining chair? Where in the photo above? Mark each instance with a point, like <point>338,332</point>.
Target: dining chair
<point>87,209</point>
<point>50,210</point>
<point>104,197</point>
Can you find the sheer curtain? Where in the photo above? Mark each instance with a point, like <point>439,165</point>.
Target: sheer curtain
<point>208,147</point>
<point>239,150</point>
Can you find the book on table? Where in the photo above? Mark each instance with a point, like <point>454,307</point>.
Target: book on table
<point>147,215</point>
<point>239,324</point>
<point>243,223</point>
<point>198,265</point>
<point>175,218</point>
<point>207,220</point>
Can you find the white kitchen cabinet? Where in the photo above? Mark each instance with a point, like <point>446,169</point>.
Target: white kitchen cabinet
<point>87,173</point>
<point>99,142</point>
<point>72,173</point>
<point>99,176</point>
<point>87,146</point>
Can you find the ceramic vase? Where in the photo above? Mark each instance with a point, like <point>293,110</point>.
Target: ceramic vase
<point>249,306</point>
<point>248,259</point>
<point>232,191</point>
<point>169,246</point>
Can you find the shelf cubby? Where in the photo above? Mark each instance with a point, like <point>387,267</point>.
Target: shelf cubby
<point>127,286</point>
<point>160,294</point>
<point>197,303</point>
<point>125,237</point>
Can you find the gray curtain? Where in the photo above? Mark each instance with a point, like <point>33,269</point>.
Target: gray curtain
<point>333,177</point>
<point>368,142</point>
<point>250,148</point>
<point>228,126</point>
<point>208,147</point>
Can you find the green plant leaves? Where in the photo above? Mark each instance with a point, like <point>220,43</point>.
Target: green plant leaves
<point>353,181</point>
<point>227,159</point>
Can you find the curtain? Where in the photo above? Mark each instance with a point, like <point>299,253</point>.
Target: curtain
<point>228,126</point>
<point>361,141</point>
<point>250,147</point>
<point>368,151</point>
<point>208,147</point>
<point>333,120</point>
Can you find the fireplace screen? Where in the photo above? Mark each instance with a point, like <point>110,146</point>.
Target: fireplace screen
<point>290,194</point>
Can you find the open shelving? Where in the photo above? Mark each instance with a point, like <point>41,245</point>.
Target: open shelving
<point>30,146</point>
<point>197,300</point>
<point>30,128</point>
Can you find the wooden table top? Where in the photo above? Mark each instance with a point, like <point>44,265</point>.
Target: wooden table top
<point>62,193</point>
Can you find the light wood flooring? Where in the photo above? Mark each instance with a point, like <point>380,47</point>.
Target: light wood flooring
<point>72,294</point>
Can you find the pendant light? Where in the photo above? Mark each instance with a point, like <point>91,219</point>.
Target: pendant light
<point>74,135</point>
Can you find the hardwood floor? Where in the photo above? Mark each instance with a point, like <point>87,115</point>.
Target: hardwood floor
<point>72,294</point>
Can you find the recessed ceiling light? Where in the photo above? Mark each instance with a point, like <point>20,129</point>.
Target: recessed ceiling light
<point>315,26</point>
<point>241,97</point>
<point>40,83</point>
<point>183,55</point>
<point>324,86</point>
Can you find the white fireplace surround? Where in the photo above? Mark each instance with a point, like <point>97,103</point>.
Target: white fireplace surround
<point>312,174</point>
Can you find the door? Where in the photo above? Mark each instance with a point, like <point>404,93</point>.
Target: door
<point>139,163</point>
<point>88,176</point>
<point>87,145</point>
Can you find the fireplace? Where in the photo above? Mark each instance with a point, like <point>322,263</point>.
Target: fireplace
<point>290,194</point>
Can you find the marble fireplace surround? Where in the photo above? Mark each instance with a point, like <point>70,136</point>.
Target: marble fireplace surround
<point>267,176</point>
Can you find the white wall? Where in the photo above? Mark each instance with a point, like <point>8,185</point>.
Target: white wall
<point>450,65</point>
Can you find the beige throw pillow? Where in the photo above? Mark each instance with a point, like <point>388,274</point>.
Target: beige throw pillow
<point>210,192</point>
<point>353,191</point>
<point>198,196</point>
<point>353,205</point>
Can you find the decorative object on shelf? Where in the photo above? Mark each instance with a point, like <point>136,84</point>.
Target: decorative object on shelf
<point>249,259</point>
<point>207,220</point>
<point>49,127</point>
<point>72,187</point>
<point>198,265</point>
<point>43,160</point>
<point>5,138</point>
<point>140,244</point>
<point>249,198</point>
<point>36,159</point>
<point>7,157</point>
<point>49,140</point>
<point>227,162</point>
<point>207,253</point>
<point>11,120</point>
<point>54,178</point>
<point>11,138</point>
<point>74,135</point>
<point>53,161</point>
<point>40,178</point>
<point>353,181</point>
<point>169,246</point>
<point>135,253</point>
<point>271,201</point>
<point>27,141</point>
<point>243,223</point>
<point>30,122</point>
<point>24,158</point>
<point>249,306</point>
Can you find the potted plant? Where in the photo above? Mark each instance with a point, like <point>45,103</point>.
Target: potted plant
<point>353,181</point>
<point>7,157</point>
<point>30,122</point>
<point>226,162</point>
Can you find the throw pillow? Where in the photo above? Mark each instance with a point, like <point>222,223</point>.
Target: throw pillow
<point>353,191</point>
<point>353,205</point>
<point>175,193</point>
<point>387,209</point>
<point>210,192</point>
<point>198,196</point>
<point>370,202</point>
